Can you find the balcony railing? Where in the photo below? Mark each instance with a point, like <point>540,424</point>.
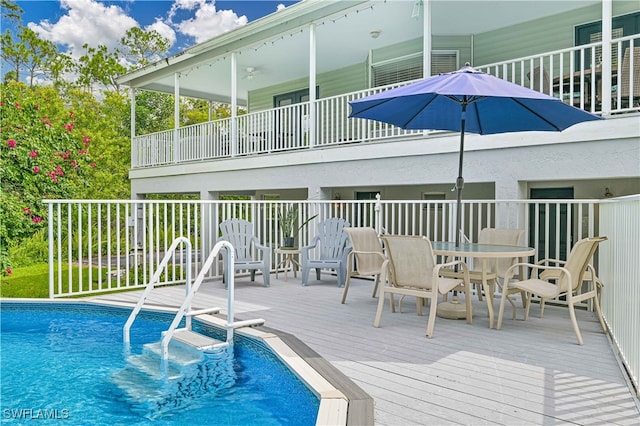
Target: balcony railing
<point>574,75</point>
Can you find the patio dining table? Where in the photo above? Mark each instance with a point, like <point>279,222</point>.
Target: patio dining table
<point>484,252</point>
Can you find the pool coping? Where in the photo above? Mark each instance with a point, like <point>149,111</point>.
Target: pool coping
<point>342,402</point>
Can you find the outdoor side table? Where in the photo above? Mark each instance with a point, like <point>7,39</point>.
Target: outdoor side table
<point>288,261</point>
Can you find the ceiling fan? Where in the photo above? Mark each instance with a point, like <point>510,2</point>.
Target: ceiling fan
<point>250,73</point>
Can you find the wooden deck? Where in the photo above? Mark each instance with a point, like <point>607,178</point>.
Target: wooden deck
<point>530,372</point>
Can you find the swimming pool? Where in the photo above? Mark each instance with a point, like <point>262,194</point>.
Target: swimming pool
<point>57,362</point>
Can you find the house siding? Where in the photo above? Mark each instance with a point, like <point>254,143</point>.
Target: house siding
<point>540,35</point>
<point>336,82</point>
<point>530,38</point>
<point>356,77</point>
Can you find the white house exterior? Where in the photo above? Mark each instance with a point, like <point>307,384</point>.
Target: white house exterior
<point>294,143</point>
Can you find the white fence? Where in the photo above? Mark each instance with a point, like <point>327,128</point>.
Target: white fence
<point>123,240</point>
<point>620,271</point>
<point>105,245</point>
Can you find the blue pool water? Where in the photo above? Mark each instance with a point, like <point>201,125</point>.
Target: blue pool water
<point>56,361</point>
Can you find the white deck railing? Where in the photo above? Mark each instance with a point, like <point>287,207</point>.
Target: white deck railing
<point>620,272</point>
<point>105,245</point>
<point>573,74</point>
<point>124,241</point>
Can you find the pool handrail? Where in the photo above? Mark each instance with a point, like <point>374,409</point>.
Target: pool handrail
<point>185,309</point>
<point>155,278</point>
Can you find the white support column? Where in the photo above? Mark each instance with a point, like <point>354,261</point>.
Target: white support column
<point>318,193</point>
<point>605,90</point>
<point>176,117</point>
<point>134,157</point>
<point>209,223</point>
<point>311,131</point>
<point>426,39</point>
<point>234,104</point>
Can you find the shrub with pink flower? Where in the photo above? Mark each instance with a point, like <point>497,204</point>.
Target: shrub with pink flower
<point>40,159</point>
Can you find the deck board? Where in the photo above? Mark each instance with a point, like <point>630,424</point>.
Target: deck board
<point>531,372</point>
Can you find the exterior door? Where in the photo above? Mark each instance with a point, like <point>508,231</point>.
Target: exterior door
<point>290,125</point>
<point>557,224</point>
<point>366,214</point>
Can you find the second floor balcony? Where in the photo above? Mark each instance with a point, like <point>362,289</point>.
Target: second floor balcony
<point>595,73</point>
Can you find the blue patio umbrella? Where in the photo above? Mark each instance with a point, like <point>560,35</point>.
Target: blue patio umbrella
<point>468,100</point>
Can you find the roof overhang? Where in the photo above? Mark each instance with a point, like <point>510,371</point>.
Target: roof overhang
<point>277,46</point>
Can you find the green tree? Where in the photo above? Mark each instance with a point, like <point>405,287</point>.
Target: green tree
<point>40,53</point>
<point>34,56</point>
<point>11,11</point>
<point>143,47</point>
<point>13,53</point>
<point>99,66</point>
<point>154,112</point>
<point>110,146</point>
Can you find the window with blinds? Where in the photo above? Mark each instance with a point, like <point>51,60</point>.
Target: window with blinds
<point>410,67</point>
<point>444,61</point>
<point>595,37</point>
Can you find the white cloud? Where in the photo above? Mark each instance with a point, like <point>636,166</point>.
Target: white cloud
<point>164,30</point>
<point>86,21</point>
<point>280,7</point>
<point>96,23</point>
<point>207,22</point>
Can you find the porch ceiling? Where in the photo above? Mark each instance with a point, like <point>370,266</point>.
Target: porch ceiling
<point>281,51</point>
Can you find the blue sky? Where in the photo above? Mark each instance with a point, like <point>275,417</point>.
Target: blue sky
<point>72,23</point>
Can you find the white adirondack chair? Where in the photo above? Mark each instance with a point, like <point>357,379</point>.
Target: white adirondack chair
<point>239,233</point>
<point>333,245</point>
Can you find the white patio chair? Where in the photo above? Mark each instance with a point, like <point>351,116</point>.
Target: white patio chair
<point>412,271</point>
<point>564,280</point>
<point>366,257</point>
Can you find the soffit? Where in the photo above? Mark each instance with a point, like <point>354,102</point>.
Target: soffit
<point>277,46</point>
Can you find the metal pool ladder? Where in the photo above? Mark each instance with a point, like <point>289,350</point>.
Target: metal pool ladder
<point>186,335</point>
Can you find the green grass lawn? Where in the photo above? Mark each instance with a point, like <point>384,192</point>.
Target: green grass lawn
<point>33,281</point>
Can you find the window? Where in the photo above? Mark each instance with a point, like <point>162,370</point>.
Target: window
<point>592,33</point>
<point>410,67</point>
<point>397,70</point>
<point>444,61</point>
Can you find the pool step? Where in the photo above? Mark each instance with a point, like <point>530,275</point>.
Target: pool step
<point>149,365</point>
<point>197,341</point>
<point>137,387</point>
<point>179,354</point>
<point>153,387</point>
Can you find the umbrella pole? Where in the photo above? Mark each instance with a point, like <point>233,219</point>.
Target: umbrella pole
<point>454,309</point>
<point>460,179</point>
